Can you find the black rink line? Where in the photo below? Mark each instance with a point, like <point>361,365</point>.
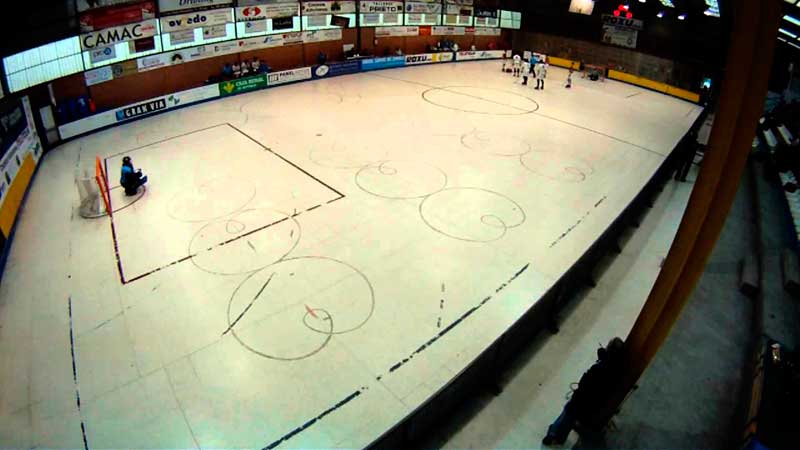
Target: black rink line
<point>114,237</point>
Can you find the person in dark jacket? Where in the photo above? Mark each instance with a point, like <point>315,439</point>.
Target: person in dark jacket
<point>130,178</point>
<point>593,390</point>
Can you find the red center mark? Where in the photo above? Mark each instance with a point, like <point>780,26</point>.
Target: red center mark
<point>311,311</point>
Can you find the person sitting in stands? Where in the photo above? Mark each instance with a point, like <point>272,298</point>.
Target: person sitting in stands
<point>263,67</point>
<point>130,179</point>
<point>237,70</point>
<point>473,48</point>
<point>227,71</point>
<point>455,46</point>
<point>398,52</point>
<point>256,65</point>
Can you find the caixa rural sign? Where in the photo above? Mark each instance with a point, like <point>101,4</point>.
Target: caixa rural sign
<point>622,22</point>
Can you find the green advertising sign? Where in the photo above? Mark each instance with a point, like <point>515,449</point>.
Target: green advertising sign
<point>243,85</point>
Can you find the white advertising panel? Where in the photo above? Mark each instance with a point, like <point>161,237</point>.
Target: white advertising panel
<point>98,76</point>
<point>196,19</point>
<point>140,109</point>
<point>428,58</point>
<point>115,35</point>
<point>328,7</point>
<point>421,7</point>
<point>334,34</point>
<point>181,37</point>
<point>387,6</point>
<point>447,31</point>
<point>172,6</point>
<point>288,76</point>
<point>396,31</point>
<point>102,54</point>
<point>484,54</point>
<point>480,31</point>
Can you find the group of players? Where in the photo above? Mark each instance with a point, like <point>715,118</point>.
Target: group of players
<point>535,66</point>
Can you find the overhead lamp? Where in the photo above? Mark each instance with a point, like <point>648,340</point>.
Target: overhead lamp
<point>682,17</point>
<point>660,14</point>
<point>788,33</point>
<point>791,19</point>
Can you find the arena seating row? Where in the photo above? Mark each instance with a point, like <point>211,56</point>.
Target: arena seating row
<point>778,131</point>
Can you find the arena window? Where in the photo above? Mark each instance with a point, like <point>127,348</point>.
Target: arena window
<point>510,19</point>
<point>42,64</point>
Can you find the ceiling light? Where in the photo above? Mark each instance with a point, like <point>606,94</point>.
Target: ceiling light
<point>642,1</point>
<point>791,19</point>
<point>667,3</point>
<point>660,14</point>
<point>682,17</point>
<point>788,33</point>
<point>793,45</point>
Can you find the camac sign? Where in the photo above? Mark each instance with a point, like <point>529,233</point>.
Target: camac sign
<point>115,35</point>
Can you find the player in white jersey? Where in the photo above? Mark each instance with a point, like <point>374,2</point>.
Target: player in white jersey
<point>517,65</point>
<point>541,74</point>
<point>526,70</point>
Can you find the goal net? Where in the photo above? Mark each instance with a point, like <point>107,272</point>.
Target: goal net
<point>93,192</point>
<point>594,72</point>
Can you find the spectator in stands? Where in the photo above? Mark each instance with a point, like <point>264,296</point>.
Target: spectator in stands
<point>398,52</point>
<point>227,71</point>
<point>473,48</point>
<point>246,69</point>
<point>591,395</point>
<point>455,46</point>
<point>237,70</point>
<point>130,178</point>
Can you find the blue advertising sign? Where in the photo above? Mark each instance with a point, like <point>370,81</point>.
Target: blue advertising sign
<point>336,69</point>
<point>383,63</point>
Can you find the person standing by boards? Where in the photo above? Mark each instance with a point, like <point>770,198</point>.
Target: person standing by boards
<point>541,73</point>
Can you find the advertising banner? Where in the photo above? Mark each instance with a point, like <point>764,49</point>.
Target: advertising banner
<point>387,6</point>
<point>282,23</point>
<point>102,54</point>
<point>383,63</point>
<point>484,54</point>
<point>111,16</point>
<point>421,7</point>
<point>196,19</point>
<point>175,6</point>
<point>233,87</point>
<point>620,36</point>
<point>288,76</point>
<point>98,76</point>
<point>322,35</point>
<point>336,69</point>
<point>459,10</point>
<point>328,7</point>
<point>255,26</point>
<point>181,37</point>
<point>460,2</point>
<point>86,5</point>
<point>447,31</point>
<point>293,38</point>
<point>428,58</point>
<point>483,31</point>
<point>115,35</point>
<point>267,11</point>
<point>214,31</point>
<point>396,31</point>
<point>622,22</point>
<point>483,12</point>
<point>151,106</point>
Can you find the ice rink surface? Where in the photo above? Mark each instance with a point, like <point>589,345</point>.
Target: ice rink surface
<point>308,263</point>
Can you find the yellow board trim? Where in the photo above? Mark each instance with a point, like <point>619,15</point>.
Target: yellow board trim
<point>10,208</point>
<point>654,85</point>
<point>561,62</point>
